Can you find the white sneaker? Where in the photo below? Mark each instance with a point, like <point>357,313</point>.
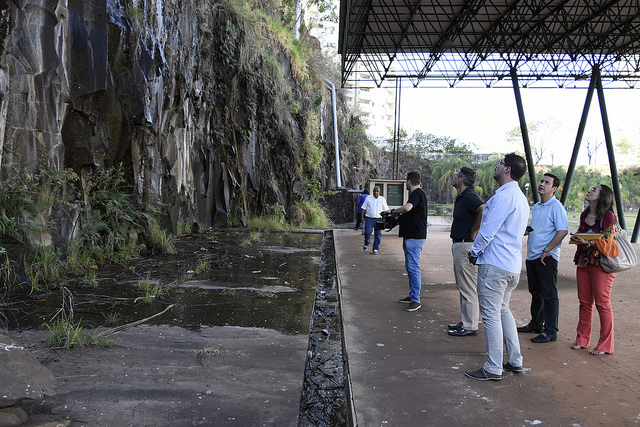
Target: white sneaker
<point>375,252</point>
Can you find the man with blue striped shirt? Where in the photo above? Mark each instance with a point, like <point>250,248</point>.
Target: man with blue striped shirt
<point>497,250</point>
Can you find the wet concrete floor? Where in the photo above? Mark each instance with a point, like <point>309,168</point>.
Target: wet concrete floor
<point>406,371</point>
<point>231,351</point>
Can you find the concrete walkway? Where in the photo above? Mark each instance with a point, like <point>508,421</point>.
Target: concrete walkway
<point>406,371</point>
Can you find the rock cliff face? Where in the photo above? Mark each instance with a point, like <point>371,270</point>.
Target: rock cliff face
<point>202,102</point>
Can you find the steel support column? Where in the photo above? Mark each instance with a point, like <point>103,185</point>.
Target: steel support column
<point>612,156</point>
<point>576,147</point>
<point>636,229</point>
<point>525,136</point>
<point>396,131</point>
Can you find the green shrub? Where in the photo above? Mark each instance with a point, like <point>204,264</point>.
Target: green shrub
<point>275,220</point>
<point>309,214</point>
<point>254,236</point>
<point>80,260</point>
<point>43,267</point>
<point>159,240</point>
<point>26,199</point>
<point>114,228</point>
<point>184,228</point>
<point>151,291</point>
<point>67,334</point>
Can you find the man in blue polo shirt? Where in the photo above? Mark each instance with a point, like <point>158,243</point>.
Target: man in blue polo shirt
<point>549,226</point>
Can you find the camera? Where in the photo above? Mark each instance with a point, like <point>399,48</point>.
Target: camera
<point>389,220</point>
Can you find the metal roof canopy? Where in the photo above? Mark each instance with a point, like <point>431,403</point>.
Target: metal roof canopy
<point>452,42</point>
<point>490,43</point>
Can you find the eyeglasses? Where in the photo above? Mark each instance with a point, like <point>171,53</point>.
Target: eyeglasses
<point>503,163</point>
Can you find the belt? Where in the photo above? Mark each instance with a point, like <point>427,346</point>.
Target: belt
<point>461,240</point>
<point>370,217</point>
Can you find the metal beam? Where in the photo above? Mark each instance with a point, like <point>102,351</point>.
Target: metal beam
<point>576,147</point>
<point>525,135</point>
<point>612,156</point>
<point>396,131</point>
<point>636,228</point>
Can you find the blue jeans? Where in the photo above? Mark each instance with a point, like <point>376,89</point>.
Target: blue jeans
<point>494,292</point>
<point>369,226</point>
<point>412,251</point>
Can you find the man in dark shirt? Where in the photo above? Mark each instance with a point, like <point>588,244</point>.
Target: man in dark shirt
<point>413,230</point>
<point>467,214</point>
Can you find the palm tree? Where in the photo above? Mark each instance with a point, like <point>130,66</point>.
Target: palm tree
<point>442,173</point>
<point>630,186</point>
<point>485,184</point>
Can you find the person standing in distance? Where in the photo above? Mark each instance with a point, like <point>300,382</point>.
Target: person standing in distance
<point>549,226</point>
<point>372,208</point>
<point>497,250</point>
<point>361,198</point>
<point>467,214</point>
<point>413,230</point>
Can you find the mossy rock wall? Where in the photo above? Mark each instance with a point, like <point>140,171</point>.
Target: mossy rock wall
<point>205,104</point>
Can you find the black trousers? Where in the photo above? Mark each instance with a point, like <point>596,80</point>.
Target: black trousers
<point>543,287</point>
<point>358,221</point>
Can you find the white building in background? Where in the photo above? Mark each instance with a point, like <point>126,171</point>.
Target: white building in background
<point>374,106</point>
<point>325,31</point>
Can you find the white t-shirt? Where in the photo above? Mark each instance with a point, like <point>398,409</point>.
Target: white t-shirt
<point>372,206</point>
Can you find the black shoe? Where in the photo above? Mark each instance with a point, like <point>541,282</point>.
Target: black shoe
<point>515,369</point>
<point>482,375</point>
<point>544,337</point>
<point>405,300</point>
<point>413,306</point>
<point>455,326</point>
<point>529,328</point>
<point>462,332</point>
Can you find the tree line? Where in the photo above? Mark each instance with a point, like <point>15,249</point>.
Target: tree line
<point>584,177</point>
<point>440,158</point>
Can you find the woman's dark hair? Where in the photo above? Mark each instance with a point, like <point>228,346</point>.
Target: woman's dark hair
<point>605,202</point>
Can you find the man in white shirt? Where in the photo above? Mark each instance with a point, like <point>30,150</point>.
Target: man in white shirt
<point>371,209</point>
<point>497,250</point>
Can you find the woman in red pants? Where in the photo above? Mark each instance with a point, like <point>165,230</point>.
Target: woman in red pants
<point>594,284</point>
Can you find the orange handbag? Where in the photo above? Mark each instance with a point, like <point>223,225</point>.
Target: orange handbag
<point>608,247</point>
